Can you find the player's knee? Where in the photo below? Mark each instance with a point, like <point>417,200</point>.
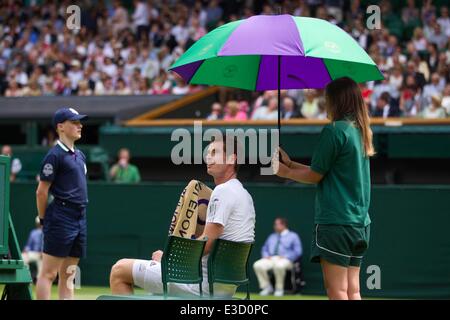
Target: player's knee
<point>118,270</point>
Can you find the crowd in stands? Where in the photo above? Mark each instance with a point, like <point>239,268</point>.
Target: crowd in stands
<point>126,48</point>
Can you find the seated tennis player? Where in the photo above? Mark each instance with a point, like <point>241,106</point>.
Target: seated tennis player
<point>230,216</point>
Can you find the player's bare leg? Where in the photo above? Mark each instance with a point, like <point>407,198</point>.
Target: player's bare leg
<point>353,290</point>
<point>121,277</point>
<point>335,280</point>
<point>50,267</point>
<point>66,276</point>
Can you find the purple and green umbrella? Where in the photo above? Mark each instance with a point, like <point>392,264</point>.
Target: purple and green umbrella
<point>275,52</point>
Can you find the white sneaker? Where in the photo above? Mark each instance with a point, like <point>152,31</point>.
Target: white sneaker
<point>278,293</point>
<point>266,291</point>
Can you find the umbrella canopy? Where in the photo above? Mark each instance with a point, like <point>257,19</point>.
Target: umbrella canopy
<point>275,52</point>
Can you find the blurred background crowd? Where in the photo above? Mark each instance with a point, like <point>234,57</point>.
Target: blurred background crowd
<point>126,47</point>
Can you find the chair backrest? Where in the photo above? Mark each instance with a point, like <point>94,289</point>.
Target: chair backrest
<point>182,260</point>
<point>228,262</point>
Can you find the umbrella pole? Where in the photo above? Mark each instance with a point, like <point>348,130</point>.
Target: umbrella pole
<point>279,99</point>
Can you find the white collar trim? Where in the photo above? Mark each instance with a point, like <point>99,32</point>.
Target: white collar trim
<point>64,147</point>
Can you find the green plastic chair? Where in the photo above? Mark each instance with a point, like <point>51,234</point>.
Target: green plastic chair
<point>228,264</point>
<point>182,262</point>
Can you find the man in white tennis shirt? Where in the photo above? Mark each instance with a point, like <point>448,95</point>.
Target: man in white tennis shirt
<point>230,216</point>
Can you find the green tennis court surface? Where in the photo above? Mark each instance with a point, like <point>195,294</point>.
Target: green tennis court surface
<point>91,293</point>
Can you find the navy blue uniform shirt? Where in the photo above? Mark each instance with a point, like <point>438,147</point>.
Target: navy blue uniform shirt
<point>66,170</point>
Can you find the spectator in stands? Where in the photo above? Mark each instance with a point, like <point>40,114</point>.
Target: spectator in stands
<point>412,71</point>
<point>13,90</point>
<point>438,37</point>
<point>322,113</point>
<point>267,113</point>
<point>141,19</point>
<point>446,99</point>
<point>435,109</point>
<point>75,74</point>
<point>49,139</point>
<point>281,249</point>
<point>121,88</point>
<point>310,107</point>
<point>444,20</point>
<point>233,112</point>
<point>42,49</point>
<point>411,100</point>
<point>123,171</point>
<point>181,87</point>
<point>32,252</point>
<point>384,108</point>
<point>384,86</point>
<point>216,112</point>
<point>16,164</point>
<point>119,20</point>
<point>289,108</point>
<point>435,87</point>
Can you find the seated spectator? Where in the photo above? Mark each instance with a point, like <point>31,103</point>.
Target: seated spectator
<point>322,113</point>
<point>123,171</point>
<point>438,37</point>
<point>32,90</point>
<point>289,109</point>
<point>75,74</point>
<point>384,108</point>
<point>121,88</point>
<point>435,87</point>
<point>384,86</point>
<point>412,71</point>
<point>32,252</point>
<point>83,88</point>
<point>411,100</point>
<point>279,252</point>
<point>49,139</point>
<point>435,109</point>
<point>446,99</point>
<point>180,87</point>
<point>444,20</point>
<point>216,112</point>
<point>310,106</point>
<point>267,113</point>
<point>13,90</point>
<point>233,112</point>
<point>16,164</point>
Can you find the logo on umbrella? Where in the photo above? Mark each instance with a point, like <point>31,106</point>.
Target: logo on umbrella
<point>332,46</point>
<point>230,71</point>
<point>205,49</point>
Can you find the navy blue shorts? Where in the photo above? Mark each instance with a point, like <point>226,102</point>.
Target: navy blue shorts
<point>65,231</point>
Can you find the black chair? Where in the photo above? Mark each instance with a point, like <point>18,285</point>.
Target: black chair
<point>294,281</point>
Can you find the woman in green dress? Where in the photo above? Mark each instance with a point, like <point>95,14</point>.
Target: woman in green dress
<point>340,168</point>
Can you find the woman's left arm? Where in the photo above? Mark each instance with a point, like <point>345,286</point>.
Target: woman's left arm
<point>293,170</point>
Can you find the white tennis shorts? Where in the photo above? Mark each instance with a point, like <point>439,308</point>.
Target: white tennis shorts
<point>147,275</point>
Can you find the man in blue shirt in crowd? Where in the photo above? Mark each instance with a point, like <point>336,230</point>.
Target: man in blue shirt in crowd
<point>279,252</point>
<point>32,253</point>
<point>63,175</point>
